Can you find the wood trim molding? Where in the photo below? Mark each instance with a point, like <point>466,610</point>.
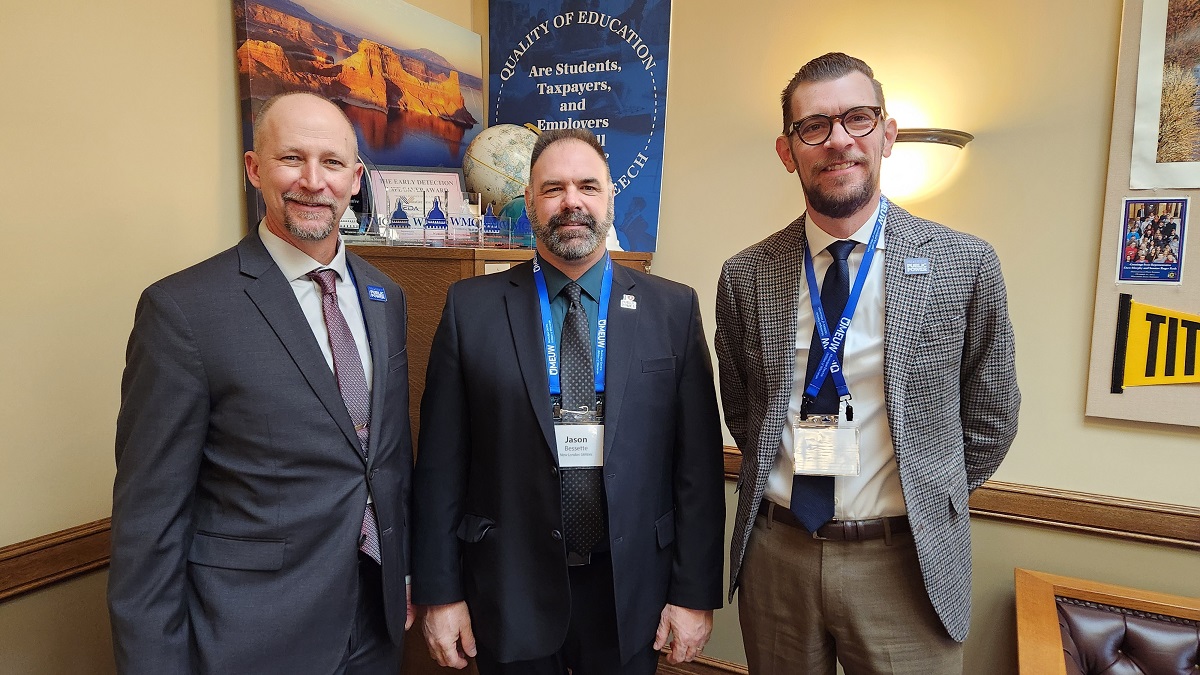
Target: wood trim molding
<point>30,565</point>
<point>703,665</point>
<point>1131,519</point>
<point>36,563</point>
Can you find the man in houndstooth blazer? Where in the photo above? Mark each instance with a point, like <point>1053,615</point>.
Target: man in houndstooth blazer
<point>886,585</point>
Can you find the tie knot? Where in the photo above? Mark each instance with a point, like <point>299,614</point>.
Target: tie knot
<point>840,250</point>
<point>572,290</point>
<point>326,279</point>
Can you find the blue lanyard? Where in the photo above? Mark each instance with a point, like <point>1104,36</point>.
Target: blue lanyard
<point>829,363</point>
<point>548,336</point>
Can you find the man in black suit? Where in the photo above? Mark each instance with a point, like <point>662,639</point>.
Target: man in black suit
<point>264,453</point>
<point>568,516</point>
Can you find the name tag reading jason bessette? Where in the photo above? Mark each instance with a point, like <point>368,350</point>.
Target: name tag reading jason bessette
<point>580,445</point>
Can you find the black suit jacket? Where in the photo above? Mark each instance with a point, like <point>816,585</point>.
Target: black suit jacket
<point>240,481</point>
<point>487,504</point>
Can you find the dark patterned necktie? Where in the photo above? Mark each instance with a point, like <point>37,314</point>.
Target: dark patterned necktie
<point>812,496</point>
<point>582,488</point>
<point>352,383</point>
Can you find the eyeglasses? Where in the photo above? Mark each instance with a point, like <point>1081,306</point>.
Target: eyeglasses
<point>857,121</point>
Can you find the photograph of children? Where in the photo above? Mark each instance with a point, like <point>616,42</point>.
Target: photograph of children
<point>1152,235</point>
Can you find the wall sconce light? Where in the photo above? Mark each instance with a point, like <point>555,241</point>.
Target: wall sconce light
<point>921,161</point>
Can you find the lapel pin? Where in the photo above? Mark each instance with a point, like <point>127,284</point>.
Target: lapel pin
<point>377,293</point>
<point>627,302</point>
<point>916,265</point>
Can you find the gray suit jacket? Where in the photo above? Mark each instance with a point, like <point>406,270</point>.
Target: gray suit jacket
<point>240,481</point>
<point>949,378</point>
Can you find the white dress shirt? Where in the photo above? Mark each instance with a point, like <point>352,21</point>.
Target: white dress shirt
<point>295,265</point>
<point>875,492</point>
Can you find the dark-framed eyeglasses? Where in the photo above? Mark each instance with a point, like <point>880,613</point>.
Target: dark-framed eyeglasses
<point>857,121</point>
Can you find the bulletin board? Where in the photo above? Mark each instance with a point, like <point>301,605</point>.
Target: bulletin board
<point>1151,188</point>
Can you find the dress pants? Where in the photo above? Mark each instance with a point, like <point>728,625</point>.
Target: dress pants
<point>806,604</point>
<point>591,644</point>
<point>371,651</point>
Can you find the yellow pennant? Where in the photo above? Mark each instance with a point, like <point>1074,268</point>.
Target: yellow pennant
<point>1154,345</point>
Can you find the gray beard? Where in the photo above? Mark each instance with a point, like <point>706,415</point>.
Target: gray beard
<point>573,246</point>
<point>296,227</point>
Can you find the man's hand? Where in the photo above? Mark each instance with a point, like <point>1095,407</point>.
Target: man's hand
<point>691,628</point>
<point>448,634</point>
<point>409,613</point>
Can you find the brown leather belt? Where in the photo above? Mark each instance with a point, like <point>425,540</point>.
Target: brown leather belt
<point>840,530</point>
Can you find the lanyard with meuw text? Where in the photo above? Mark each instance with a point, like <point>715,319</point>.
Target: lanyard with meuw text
<point>829,363</point>
<point>548,332</point>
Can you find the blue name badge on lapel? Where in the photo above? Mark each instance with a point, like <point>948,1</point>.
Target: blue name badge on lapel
<point>377,293</point>
<point>916,265</point>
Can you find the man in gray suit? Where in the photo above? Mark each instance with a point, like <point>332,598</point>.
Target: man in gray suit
<point>264,454</point>
<point>863,428</point>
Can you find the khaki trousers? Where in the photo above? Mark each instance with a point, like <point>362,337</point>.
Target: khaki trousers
<point>806,604</point>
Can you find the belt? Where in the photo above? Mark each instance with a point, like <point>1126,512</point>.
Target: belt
<point>841,530</point>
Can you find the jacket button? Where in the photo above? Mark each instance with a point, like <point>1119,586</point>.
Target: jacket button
<point>554,470</point>
<point>556,534</point>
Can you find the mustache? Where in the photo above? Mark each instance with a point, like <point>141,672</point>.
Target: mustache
<point>308,200</point>
<point>572,218</point>
<point>853,157</point>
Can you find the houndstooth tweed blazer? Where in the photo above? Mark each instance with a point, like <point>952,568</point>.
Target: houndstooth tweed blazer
<point>949,379</point>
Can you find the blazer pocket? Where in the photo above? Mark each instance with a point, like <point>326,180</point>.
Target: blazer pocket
<point>664,528</point>
<point>960,497</point>
<point>472,528</point>
<point>397,360</point>
<point>655,365</point>
<point>237,553</point>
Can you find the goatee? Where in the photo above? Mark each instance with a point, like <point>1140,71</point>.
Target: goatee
<point>302,228</point>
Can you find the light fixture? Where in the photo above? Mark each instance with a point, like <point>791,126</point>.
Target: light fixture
<point>921,162</point>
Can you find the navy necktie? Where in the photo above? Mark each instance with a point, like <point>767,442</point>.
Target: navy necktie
<point>812,496</point>
<point>582,488</point>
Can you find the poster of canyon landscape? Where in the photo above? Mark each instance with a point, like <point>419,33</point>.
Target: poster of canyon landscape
<point>410,81</point>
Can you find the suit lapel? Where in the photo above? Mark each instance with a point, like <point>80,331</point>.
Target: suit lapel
<point>621,336</point>
<point>778,289</point>
<point>273,296</point>
<point>906,300</point>
<point>374,315</point>
<point>524,320</point>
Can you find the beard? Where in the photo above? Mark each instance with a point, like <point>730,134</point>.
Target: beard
<point>309,226</point>
<point>572,245</point>
<point>841,204</point>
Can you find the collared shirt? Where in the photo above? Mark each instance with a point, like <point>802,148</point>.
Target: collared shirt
<point>295,265</point>
<point>875,492</point>
<point>590,282</point>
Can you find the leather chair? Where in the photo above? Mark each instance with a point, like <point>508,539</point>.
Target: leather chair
<point>1069,626</point>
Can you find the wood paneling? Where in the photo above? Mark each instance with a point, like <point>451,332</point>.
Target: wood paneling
<point>30,565</point>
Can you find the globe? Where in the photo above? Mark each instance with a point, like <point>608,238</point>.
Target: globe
<point>496,164</point>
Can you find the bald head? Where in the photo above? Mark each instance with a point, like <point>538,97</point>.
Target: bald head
<point>260,120</point>
<point>305,162</point>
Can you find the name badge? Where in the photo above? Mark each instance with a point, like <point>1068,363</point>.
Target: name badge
<point>580,445</point>
<point>916,265</point>
<point>377,293</point>
<point>822,446</point>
